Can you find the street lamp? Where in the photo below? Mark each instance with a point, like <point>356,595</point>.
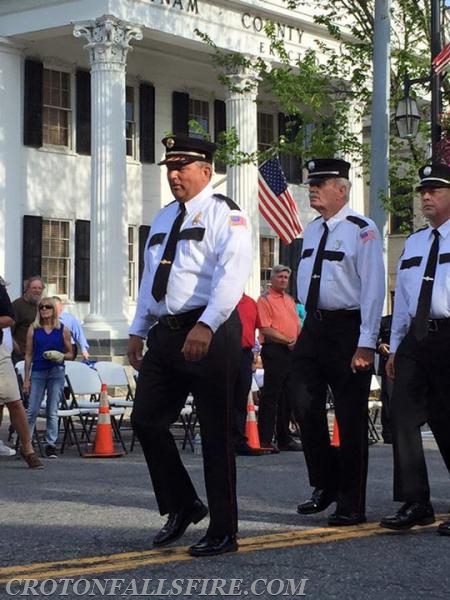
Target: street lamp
<point>407,118</point>
<point>407,115</point>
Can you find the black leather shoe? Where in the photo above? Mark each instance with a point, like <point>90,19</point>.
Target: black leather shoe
<point>245,451</point>
<point>444,528</point>
<point>178,522</point>
<point>319,501</point>
<point>409,515</point>
<point>214,545</point>
<point>291,446</point>
<point>346,519</point>
<point>270,447</point>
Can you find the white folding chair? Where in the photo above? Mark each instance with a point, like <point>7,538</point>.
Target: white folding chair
<point>115,376</point>
<point>65,416</point>
<point>188,419</point>
<point>374,408</point>
<point>84,388</point>
<point>84,385</point>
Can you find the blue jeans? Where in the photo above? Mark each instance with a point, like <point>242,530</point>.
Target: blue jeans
<point>52,382</point>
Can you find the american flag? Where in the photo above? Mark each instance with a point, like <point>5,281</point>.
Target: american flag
<point>441,60</point>
<point>276,203</point>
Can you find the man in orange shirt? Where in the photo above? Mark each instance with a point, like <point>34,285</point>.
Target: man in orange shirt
<point>279,326</point>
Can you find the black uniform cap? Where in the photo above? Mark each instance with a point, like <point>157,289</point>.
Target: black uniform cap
<point>184,149</point>
<point>434,176</point>
<point>324,168</point>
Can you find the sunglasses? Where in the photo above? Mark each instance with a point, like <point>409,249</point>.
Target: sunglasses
<point>45,307</point>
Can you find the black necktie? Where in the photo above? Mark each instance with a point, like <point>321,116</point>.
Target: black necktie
<point>159,287</point>
<point>314,286</point>
<point>426,289</point>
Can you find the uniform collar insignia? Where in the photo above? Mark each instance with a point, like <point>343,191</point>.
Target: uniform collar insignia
<point>197,218</point>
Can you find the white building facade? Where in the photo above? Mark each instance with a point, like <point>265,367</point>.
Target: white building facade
<point>87,90</point>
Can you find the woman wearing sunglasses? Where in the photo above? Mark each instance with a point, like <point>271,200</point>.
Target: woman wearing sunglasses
<point>48,345</point>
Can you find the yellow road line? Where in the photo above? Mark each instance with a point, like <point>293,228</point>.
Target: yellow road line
<point>128,561</point>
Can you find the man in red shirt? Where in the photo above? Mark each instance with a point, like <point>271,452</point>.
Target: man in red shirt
<point>248,314</point>
<point>279,326</point>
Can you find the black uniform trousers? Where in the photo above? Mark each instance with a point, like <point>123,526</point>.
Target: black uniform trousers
<point>274,412</point>
<point>242,388</point>
<point>421,394</point>
<point>322,358</point>
<point>164,381</point>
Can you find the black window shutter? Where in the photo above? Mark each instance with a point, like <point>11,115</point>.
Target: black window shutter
<point>83,111</point>
<point>31,246</point>
<point>144,232</point>
<point>32,104</point>
<point>290,163</point>
<point>281,124</point>
<point>147,123</point>
<point>220,125</point>
<point>180,113</point>
<point>82,260</point>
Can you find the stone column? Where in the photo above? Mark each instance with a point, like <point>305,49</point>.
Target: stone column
<point>357,171</point>
<point>242,180</point>
<point>108,45</point>
<point>11,165</point>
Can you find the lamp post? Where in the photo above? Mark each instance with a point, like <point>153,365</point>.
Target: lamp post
<point>407,114</point>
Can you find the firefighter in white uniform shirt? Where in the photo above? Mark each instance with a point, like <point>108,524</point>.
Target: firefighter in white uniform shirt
<point>341,282</point>
<point>197,261</point>
<point>420,350</point>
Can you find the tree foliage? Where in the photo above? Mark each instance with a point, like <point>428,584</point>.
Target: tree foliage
<point>410,59</point>
<point>323,96</point>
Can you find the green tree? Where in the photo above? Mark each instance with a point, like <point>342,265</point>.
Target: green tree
<point>321,97</point>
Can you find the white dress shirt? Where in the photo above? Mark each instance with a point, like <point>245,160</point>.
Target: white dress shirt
<point>410,274</point>
<point>352,270</point>
<point>212,263</point>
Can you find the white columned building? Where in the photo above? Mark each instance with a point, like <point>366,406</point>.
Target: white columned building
<point>108,45</point>
<point>242,181</point>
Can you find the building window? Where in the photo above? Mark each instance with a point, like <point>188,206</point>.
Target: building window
<point>130,121</point>
<point>199,112</point>
<point>57,114</point>
<point>55,256</point>
<point>267,260</point>
<point>266,132</point>
<point>289,127</point>
<point>132,262</point>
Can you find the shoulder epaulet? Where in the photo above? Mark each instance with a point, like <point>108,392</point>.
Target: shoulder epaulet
<point>166,205</point>
<point>358,221</point>
<point>418,230</point>
<point>230,203</point>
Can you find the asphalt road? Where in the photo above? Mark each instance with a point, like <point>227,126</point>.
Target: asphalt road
<point>87,524</point>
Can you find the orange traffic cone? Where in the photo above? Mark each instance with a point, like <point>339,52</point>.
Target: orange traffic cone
<point>103,443</point>
<point>335,439</point>
<point>251,429</point>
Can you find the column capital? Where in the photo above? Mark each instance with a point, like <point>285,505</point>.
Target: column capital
<point>108,40</point>
<point>242,76</point>
<point>9,46</point>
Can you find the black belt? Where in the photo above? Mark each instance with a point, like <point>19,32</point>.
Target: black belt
<point>322,315</point>
<point>436,324</point>
<point>181,320</point>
